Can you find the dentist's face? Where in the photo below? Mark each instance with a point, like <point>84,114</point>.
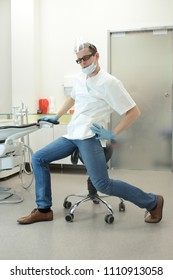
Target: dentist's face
<point>86,58</point>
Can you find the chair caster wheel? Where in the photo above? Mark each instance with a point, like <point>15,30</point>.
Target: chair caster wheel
<point>67,204</point>
<point>69,217</point>
<point>109,219</point>
<point>95,201</point>
<point>122,207</point>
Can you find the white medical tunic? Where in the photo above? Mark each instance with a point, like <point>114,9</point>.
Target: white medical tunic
<point>95,99</point>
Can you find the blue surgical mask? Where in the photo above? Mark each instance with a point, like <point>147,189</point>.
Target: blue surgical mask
<point>89,69</point>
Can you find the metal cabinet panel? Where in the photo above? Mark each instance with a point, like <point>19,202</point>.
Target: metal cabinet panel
<point>143,61</point>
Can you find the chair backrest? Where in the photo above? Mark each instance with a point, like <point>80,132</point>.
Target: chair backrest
<point>108,150</point>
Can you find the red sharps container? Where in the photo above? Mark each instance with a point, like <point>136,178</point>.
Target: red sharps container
<point>43,105</point>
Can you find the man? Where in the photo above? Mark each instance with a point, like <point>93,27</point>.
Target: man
<point>95,95</point>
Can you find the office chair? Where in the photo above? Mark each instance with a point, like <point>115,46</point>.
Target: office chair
<point>92,192</point>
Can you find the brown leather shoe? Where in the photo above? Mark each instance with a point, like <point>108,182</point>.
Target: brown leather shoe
<point>156,214</point>
<point>36,216</point>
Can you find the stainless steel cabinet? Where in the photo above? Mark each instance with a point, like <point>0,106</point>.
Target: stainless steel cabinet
<point>143,61</point>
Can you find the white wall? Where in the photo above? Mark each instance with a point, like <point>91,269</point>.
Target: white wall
<point>46,51</point>
<point>5,57</point>
<point>23,52</point>
<point>63,21</point>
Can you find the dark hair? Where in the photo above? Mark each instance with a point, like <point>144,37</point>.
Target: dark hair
<point>90,46</point>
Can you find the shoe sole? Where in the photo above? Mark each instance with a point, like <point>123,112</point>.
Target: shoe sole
<point>38,221</point>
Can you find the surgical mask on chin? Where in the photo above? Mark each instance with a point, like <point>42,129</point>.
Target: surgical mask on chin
<point>89,69</point>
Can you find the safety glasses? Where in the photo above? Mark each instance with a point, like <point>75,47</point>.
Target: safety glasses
<point>84,58</point>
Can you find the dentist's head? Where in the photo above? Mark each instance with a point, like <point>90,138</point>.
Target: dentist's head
<point>87,57</point>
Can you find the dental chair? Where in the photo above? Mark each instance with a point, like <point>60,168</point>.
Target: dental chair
<point>12,154</point>
<point>92,192</point>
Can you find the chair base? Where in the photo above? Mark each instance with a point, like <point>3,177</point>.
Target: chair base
<point>109,218</point>
<point>6,194</point>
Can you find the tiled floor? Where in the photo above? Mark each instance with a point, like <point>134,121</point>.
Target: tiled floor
<point>88,236</point>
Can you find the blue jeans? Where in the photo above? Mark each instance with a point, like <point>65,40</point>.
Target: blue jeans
<point>94,159</point>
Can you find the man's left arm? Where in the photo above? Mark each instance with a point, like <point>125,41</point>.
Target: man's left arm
<point>127,120</point>
<point>101,133</point>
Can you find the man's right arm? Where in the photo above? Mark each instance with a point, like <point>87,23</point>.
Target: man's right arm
<point>69,102</point>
